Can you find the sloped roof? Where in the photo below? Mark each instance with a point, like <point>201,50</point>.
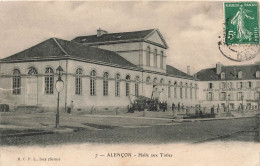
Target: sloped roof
<point>231,73</point>
<point>135,35</point>
<point>60,49</point>
<point>175,72</point>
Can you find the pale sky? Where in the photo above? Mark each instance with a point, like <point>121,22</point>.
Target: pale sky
<point>191,29</point>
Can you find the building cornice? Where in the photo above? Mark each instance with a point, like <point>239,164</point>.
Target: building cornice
<point>68,57</point>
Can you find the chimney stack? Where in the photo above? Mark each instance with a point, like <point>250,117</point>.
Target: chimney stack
<point>218,67</point>
<point>188,70</point>
<point>101,32</point>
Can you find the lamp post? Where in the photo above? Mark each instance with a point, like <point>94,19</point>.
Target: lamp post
<point>59,88</point>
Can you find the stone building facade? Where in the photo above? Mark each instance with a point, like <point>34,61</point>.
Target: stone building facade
<point>230,86</point>
<point>105,70</point>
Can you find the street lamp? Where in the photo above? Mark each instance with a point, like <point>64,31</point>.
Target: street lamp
<point>59,87</point>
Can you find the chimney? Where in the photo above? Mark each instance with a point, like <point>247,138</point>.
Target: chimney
<point>101,32</point>
<point>218,67</point>
<point>188,70</point>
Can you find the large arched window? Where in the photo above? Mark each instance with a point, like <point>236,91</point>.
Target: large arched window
<point>155,58</point>
<point>16,82</point>
<point>169,89</point>
<point>117,85</point>
<point>186,90</point>
<point>161,82</point>
<point>148,80</point>
<point>175,89</point>
<point>137,80</point>
<point>127,85</point>
<point>49,80</point>
<point>196,87</point>
<point>181,90</point>
<point>105,84</point>
<point>78,82</point>
<point>32,71</point>
<point>93,75</point>
<point>190,90</point>
<point>31,82</point>
<point>161,60</point>
<point>155,81</point>
<point>148,56</point>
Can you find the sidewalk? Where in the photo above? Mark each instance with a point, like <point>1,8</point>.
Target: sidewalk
<point>167,119</point>
<point>20,124</point>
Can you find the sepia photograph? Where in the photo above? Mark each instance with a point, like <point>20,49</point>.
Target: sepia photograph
<point>140,83</point>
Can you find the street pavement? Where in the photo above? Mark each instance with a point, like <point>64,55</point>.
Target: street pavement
<point>167,132</point>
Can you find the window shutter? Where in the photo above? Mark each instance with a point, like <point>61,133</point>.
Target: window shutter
<point>212,85</point>
<point>212,96</point>
<point>207,95</point>
<point>237,85</point>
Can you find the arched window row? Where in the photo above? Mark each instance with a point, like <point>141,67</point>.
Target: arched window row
<point>49,81</point>
<point>155,56</point>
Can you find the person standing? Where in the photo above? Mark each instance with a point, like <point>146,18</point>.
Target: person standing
<point>70,108</point>
<point>173,106</point>
<point>187,110</point>
<point>179,107</point>
<point>212,109</point>
<point>218,109</point>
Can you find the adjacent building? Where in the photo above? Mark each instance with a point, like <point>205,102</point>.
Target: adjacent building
<point>230,86</point>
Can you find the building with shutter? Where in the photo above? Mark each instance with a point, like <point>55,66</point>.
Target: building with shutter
<point>104,70</point>
<point>230,86</point>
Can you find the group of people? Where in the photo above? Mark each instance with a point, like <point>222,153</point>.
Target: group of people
<point>156,106</point>
<point>150,106</point>
<point>178,107</point>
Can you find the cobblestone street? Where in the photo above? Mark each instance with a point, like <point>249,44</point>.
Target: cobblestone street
<point>189,132</point>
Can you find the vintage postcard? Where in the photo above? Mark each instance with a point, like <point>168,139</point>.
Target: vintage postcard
<point>142,83</point>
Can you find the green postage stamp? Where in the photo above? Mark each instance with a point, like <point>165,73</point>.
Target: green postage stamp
<point>241,23</point>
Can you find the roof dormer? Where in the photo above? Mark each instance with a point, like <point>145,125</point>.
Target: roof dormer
<point>222,75</point>
<point>240,74</point>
